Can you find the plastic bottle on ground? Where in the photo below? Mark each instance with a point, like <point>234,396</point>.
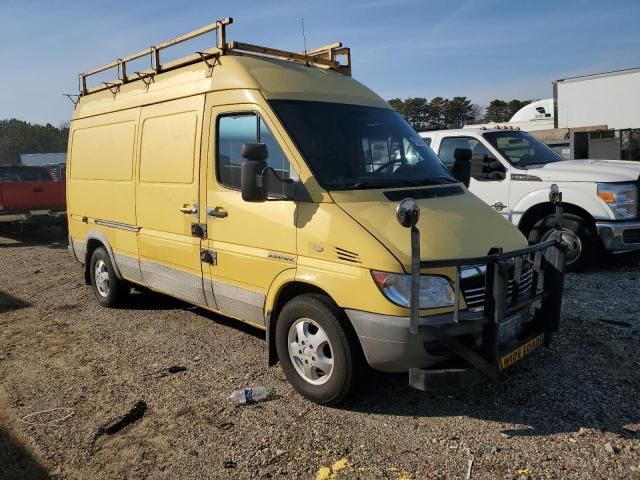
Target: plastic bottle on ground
<point>248,395</point>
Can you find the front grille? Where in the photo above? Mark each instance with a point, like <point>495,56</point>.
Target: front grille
<point>472,284</point>
<point>631,235</point>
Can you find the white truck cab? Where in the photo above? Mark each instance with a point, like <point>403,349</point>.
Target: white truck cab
<point>512,171</point>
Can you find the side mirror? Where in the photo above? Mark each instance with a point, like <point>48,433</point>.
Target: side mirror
<point>408,213</point>
<point>253,184</point>
<point>462,165</point>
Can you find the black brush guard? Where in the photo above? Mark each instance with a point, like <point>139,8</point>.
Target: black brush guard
<point>542,302</point>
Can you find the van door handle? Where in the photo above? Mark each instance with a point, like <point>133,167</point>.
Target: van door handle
<point>189,209</point>
<point>217,212</point>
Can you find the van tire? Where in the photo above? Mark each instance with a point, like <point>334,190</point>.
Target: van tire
<point>346,364</point>
<point>586,239</point>
<point>109,290</point>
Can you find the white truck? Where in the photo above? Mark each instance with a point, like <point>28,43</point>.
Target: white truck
<point>512,171</point>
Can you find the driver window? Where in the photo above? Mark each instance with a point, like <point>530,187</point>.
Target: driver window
<point>449,145</point>
<point>233,131</point>
<point>484,166</point>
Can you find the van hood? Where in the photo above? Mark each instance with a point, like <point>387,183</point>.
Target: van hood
<point>456,226</point>
<point>587,171</point>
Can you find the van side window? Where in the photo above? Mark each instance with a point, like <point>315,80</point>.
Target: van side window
<point>449,145</point>
<point>233,131</point>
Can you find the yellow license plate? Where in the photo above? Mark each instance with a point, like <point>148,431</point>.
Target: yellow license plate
<point>521,352</point>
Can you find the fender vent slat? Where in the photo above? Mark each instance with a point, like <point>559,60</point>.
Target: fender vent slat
<point>347,256</point>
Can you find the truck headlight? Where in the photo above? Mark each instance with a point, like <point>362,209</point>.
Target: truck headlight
<point>434,291</point>
<point>622,199</point>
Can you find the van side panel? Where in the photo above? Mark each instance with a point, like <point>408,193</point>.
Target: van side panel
<point>167,189</point>
<point>100,182</point>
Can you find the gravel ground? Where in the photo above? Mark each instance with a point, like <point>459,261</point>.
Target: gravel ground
<point>570,411</point>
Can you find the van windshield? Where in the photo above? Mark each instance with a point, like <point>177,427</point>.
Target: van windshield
<point>521,149</point>
<point>350,147</point>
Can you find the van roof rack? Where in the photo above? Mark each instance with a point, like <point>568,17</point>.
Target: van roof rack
<point>326,57</point>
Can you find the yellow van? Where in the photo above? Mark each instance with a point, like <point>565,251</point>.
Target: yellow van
<point>271,187</point>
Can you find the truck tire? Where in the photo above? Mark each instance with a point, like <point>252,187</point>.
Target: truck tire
<point>315,352</point>
<point>108,289</point>
<point>577,233</point>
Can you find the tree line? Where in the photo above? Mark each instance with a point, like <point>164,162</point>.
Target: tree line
<point>17,136</point>
<point>442,113</point>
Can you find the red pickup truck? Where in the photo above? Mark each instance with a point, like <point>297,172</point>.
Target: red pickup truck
<point>30,195</point>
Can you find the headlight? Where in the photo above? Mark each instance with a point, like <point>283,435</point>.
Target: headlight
<point>622,199</point>
<point>434,291</point>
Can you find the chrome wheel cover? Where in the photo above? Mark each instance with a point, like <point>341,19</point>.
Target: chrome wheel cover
<point>570,238</point>
<point>101,276</point>
<point>310,351</point>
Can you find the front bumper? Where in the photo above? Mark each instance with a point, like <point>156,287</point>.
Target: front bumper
<point>463,348</point>
<point>618,236</point>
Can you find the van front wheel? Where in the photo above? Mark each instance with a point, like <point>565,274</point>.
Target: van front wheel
<point>314,349</point>
<point>106,286</point>
<point>581,239</point>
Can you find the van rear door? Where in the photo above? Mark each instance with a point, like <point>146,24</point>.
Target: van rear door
<point>167,203</point>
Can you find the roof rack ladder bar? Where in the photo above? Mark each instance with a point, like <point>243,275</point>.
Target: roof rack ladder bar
<point>154,52</point>
<point>155,59</point>
<point>122,70</point>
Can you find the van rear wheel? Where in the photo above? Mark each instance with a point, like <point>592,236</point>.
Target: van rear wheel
<point>107,288</point>
<point>314,349</point>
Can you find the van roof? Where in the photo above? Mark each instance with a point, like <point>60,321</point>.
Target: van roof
<point>277,74</point>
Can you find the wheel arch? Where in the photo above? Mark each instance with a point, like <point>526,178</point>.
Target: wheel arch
<point>95,240</point>
<point>285,293</point>
<point>541,210</point>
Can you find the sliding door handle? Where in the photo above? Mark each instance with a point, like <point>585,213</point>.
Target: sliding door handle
<point>192,209</point>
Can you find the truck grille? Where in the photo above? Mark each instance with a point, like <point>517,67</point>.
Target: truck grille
<point>472,281</point>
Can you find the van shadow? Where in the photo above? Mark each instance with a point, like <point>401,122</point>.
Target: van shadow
<point>16,462</point>
<point>9,302</point>
<point>582,380</point>
<point>144,299</point>
<point>50,236</point>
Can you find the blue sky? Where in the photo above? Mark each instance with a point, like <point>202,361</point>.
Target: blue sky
<point>482,49</point>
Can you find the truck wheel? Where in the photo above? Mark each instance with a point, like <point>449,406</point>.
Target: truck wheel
<point>577,233</point>
<point>108,289</point>
<point>314,349</point>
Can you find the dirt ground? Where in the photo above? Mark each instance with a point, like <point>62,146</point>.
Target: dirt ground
<point>570,411</point>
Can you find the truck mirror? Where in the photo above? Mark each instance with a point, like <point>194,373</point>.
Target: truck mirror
<point>253,181</point>
<point>555,196</point>
<point>461,170</point>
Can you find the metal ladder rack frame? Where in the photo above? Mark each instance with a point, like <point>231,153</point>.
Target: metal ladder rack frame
<point>325,57</point>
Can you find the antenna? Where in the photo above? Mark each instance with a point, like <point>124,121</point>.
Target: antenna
<point>304,41</point>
